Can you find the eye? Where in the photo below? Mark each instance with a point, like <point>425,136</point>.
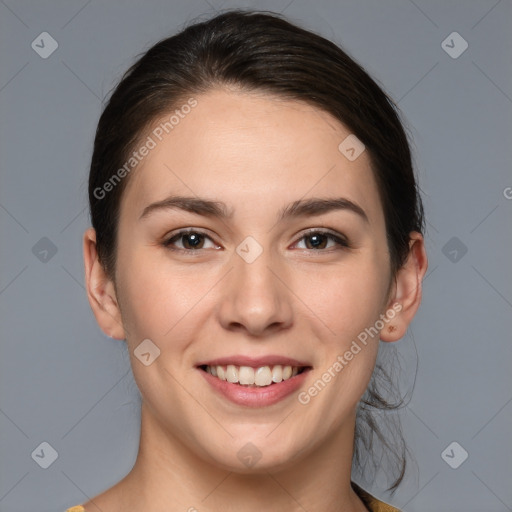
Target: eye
<point>189,240</point>
<point>318,240</point>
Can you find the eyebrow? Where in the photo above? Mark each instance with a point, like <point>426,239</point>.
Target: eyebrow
<point>299,208</point>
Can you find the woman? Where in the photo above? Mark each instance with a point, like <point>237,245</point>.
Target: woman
<point>257,231</point>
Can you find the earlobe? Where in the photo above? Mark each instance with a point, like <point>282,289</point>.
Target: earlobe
<point>407,290</point>
<point>100,290</point>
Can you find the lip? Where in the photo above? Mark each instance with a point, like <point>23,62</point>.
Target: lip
<point>254,362</point>
<point>256,396</point>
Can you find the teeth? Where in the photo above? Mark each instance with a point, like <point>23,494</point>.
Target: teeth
<point>263,376</point>
<point>277,373</point>
<point>232,373</point>
<point>247,376</point>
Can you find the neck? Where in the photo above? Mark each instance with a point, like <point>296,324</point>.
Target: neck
<point>168,475</point>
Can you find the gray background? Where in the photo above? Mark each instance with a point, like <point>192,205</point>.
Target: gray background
<point>63,382</point>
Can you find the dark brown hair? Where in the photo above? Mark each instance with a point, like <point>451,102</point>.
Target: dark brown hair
<point>259,51</point>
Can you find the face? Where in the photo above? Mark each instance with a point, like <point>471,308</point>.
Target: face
<point>287,267</point>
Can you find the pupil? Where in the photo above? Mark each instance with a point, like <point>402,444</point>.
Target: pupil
<point>192,240</point>
<point>316,240</point>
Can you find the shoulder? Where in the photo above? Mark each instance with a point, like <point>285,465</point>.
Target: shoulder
<point>372,503</point>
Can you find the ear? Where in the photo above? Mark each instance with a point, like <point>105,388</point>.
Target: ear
<point>100,290</point>
<point>406,291</point>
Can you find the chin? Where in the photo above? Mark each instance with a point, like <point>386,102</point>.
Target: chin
<point>255,454</point>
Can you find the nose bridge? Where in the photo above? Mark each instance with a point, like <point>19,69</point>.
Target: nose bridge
<point>254,275</point>
<point>256,299</point>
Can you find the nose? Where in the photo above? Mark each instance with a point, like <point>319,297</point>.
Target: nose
<point>255,298</point>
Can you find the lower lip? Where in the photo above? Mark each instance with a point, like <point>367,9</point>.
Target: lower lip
<point>255,396</point>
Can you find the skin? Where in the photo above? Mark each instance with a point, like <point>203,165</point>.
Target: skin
<point>257,154</point>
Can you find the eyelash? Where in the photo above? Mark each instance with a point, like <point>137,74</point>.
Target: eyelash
<point>340,241</point>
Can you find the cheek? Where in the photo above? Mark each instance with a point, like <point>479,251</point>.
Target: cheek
<point>156,305</point>
<point>160,300</point>
<point>150,298</point>
<point>348,299</point>
<point>349,304</point>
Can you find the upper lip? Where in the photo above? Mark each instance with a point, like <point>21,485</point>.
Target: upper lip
<point>255,362</point>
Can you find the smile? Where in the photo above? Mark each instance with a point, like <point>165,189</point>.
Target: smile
<point>261,376</point>
<point>254,382</point>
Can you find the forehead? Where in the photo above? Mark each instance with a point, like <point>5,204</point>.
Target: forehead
<point>245,148</point>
